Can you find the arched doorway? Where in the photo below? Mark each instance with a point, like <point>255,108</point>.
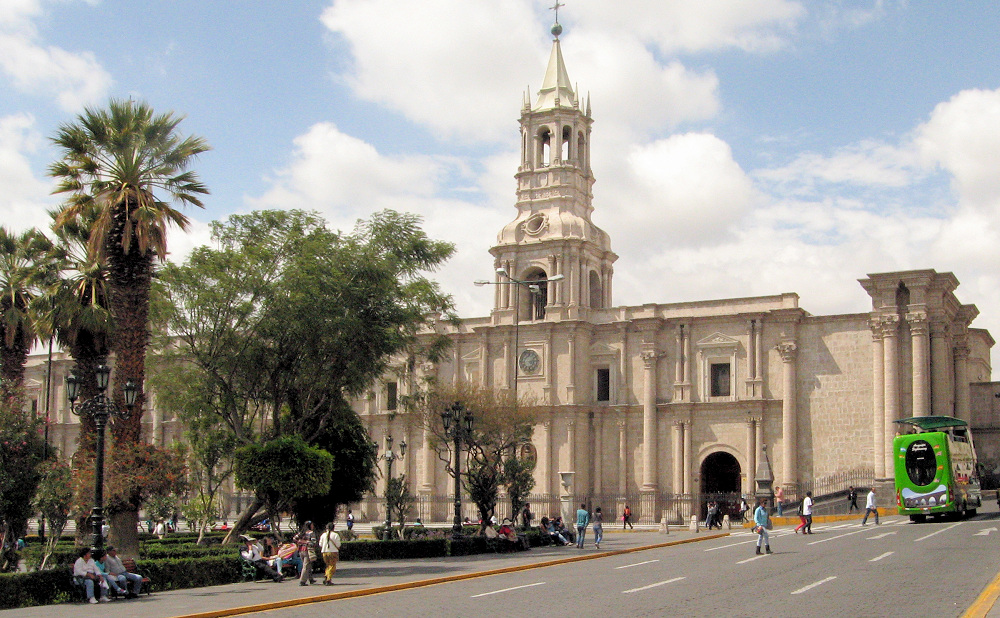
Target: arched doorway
<point>720,481</point>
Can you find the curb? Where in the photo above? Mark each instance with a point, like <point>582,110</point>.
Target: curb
<point>236,611</point>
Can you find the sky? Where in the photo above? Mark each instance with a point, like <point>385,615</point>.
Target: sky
<point>740,148</point>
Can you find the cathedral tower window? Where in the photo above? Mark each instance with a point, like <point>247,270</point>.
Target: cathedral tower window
<point>567,136</point>
<point>581,151</point>
<point>544,146</point>
<point>596,293</point>
<point>603,384</point>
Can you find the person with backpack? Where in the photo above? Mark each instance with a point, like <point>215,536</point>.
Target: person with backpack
<point>627,518</point>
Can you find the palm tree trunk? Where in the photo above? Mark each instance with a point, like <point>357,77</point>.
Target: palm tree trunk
<point>12,360</point>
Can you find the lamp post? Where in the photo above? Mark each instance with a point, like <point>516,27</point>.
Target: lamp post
<point>457,422</point>
<point>390,457</point>
<point>533,287</point>
<point>100,408</point>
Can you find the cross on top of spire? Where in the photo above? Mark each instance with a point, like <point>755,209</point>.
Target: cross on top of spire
<point>556,27</point>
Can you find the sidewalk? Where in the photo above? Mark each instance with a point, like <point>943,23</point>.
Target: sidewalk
<point>364,577</point>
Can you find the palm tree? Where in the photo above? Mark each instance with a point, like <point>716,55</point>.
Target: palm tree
<point>26,266</point>
<point>75,310</point>
<point>131,165</point>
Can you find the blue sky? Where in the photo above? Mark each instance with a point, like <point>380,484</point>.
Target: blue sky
<point>740,148</point>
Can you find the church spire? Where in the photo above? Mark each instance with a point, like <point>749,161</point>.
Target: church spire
<point>556,90</point>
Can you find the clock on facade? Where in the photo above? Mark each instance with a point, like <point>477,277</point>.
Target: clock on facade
<point>528,361</point>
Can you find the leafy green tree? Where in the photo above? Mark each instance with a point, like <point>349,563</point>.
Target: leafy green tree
<point>519,479</point>
<point>54,499</point>
<point>399,499</point>
<point>21,453</point>
<point>286,321</point>
<point>354,465</point>
<point>26,267</point>
<point>131,165</point>
<point>283,470</point>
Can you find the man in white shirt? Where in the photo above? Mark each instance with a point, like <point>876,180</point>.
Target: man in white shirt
<point>807,512</point>
<point>870,508</point>
<point>85,574</point>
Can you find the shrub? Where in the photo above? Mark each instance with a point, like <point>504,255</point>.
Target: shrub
<point>37,588</point>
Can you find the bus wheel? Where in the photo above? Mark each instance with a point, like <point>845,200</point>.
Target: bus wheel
<point>970,512</point>
<point>918,519</point>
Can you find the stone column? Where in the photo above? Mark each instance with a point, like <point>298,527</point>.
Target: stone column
<point>890,347</point>
<point>622,457</point>
<point>940,369</point>
<point>687,457</point>
<point>649,446</point>
<point>878,397</point>
<point>789,432</point>
<point>921,364</point>
<point>545,459</point>
<point>597,455</point>
<point>962,408</point>
<point>678,458</point>
<point>751,454</point>
<point>571,442</point>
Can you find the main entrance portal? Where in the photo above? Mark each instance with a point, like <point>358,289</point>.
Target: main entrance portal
<point>720,481</point>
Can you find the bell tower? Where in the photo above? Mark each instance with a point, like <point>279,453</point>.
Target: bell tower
<point>552,233</point>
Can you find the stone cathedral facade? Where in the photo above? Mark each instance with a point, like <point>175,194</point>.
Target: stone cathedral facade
<point>678,400</point>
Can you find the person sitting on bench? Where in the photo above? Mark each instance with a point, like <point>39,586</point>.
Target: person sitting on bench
<point>251,552</point>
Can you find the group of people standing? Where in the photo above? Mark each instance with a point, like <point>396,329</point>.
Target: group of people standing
<point>305,549</point>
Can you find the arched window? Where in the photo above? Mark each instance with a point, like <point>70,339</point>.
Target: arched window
<point>581,151</point>
<point>544,146</point>
<point>567,134</point>
<point>535,297</point>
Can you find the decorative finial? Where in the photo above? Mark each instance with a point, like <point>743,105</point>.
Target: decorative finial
<point>556,28</point>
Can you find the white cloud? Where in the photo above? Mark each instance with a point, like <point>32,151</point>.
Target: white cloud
<point>25,197</point>
<point>74,79</point>
<point>963,138</point>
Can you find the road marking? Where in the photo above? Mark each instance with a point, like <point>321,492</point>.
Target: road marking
<point>839,536</point>
<point>885,555</point>
<point>669,581</point>
<point>636,564</point>
<point>751,559</point>
<point>486,594</point>
<point>814,584</point>
<point>883,535</point>
<point>937,532</point>
<point>985,532</point>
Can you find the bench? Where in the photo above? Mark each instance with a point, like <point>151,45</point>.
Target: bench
<point>129,565</point>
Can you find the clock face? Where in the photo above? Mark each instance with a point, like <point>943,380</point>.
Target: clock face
<point>528,361</point>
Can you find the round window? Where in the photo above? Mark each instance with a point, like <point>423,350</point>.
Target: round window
<point>535,224</point>
<point>921,463</point>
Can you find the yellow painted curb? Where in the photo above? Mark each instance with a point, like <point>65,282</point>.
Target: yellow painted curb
<point>236,611</point>
<point>986,599</point>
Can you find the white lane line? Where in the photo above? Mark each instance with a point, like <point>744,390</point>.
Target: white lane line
<point>636,564</point>
<point>839,536</point>
<point>985,532</point>
<point>486,594</point>
<point>751,559</point>
<point>885,555</point>
<point>883,535</point>
<point>814,584</point>
<point>669,581</point>
<point>937,532</point>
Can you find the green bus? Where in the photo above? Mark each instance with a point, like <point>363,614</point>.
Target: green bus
<point>936,468</point>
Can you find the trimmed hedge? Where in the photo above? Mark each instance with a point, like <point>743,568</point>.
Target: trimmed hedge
<point>37,588</point>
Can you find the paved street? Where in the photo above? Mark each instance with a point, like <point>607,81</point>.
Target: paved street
<point>896,569</point>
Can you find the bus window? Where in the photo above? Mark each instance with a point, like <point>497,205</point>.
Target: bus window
<point>921,463</point>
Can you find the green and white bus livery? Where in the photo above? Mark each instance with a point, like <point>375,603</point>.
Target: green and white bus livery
<point>935,467</point>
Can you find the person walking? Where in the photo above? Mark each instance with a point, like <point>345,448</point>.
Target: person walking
<point>582,520</point>
<point>329,547</point>
<point>807,512</point>
<point>598,522</point>
<point>760,520</point>
<point>350,519</point>
<point>852,500</point>
<point>870,507</point>
<point>305,542</point>
<point>627,518</point>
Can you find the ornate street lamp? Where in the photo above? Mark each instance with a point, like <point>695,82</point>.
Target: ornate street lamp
<point>100,408</point>
<point>390,457</point>
<point>457,422</point>
<point>533,287</point>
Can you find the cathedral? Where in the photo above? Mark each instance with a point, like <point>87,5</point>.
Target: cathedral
<point>661,405</point>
